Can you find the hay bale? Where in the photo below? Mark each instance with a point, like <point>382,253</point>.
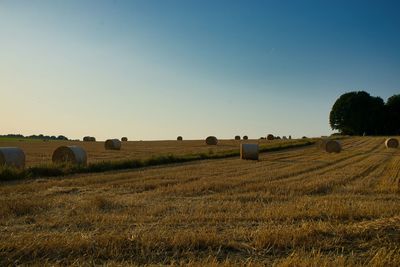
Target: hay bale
<point>237,137</point>
<point>12,156</point>
<point>211,141</point>
<point>112,144</point>
<point>89,139</point>
<point>321,144</point>
<point>249,151</point>
<point>284,137</point>
<point>70,154</point>
<point>270,137</point>
<point>304,137</point>
<point>392,143</point>
<point>124,139</point>
<point>332,146</point>
<point>278,138</point>
<point>245,137</point>
<point>179,138</point>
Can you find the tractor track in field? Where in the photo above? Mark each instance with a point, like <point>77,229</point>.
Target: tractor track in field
<point>290,157</point>
<point>323,189</point>
<point>320,169</point>
<point>120,182</point>
<point>323,186</point>
<point>126,177</point>
<point>387,175</point>
<point>375,164</point>
<point>317,170</point>
<point>97,175</point>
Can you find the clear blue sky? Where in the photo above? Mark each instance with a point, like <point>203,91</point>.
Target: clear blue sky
<point>158,69</point>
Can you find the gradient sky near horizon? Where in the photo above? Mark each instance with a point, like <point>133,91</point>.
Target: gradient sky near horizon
<point>159,69</point>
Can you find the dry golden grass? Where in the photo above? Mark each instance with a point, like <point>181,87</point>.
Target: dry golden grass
<point>300,207</point>
<point>38,152</point>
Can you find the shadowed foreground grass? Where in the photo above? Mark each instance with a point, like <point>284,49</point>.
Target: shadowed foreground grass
<point>298,207</point>
<point>52,170</point>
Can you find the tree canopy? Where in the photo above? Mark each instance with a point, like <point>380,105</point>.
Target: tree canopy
<point>40,136</point>
<point>393,112</point>
<point>358,113</point>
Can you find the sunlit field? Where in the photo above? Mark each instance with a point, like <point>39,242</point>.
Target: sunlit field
<point>296,207</point>
<point>40,152</point>
<point>229,133</point>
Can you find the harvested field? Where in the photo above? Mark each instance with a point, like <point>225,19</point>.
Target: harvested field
<point>38,152</point>
<point>296,207</point>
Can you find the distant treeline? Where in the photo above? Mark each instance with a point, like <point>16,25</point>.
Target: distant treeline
<point>359,113</point>
<point>40,136</point>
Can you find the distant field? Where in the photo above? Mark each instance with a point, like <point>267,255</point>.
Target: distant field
<point>299,207</point>
<point>40,152</point>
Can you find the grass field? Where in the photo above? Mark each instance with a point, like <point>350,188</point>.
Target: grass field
<point>298,207</point>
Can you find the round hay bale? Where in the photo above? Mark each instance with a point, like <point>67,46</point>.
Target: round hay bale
<point>321,144</point>
<point>304,137</point>
<point>237,137</point>
<point>124,139</point>
<point>332,146</point>
<point>179,138</point>
<point>70,154</point>
<point>12,156</point>
<point>89,139</point>
<point>392,143</point>
<point>211,141</point>
<point>278,138</point>
<point>245,137</point>
<point>270,137</point>
<point>249,151</point>
<point>112,144</point>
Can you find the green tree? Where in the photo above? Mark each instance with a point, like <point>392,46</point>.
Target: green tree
<point>62,137</point>
<point>393,115</point>
<point>356,113</point>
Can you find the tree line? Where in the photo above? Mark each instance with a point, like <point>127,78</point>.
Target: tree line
<point>40,136</point>
<point>359,113</point>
